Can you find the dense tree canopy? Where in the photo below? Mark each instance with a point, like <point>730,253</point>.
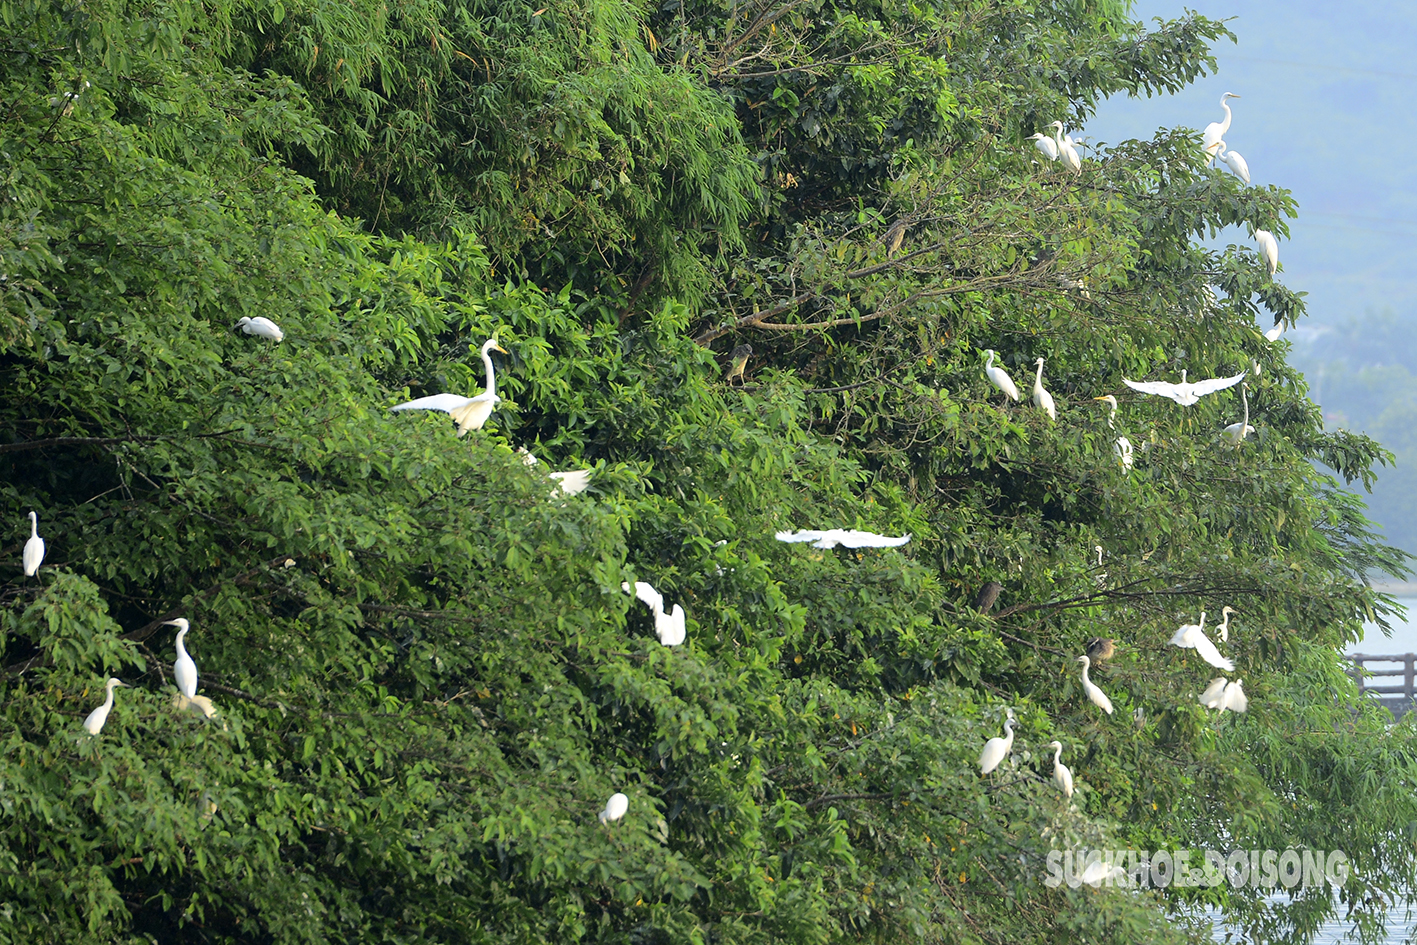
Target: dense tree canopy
<point>427,677</point>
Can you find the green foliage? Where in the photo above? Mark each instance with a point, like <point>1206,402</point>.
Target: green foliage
<point>426,675</point>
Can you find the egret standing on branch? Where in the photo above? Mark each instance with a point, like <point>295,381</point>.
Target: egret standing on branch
<point>1269,249</point>
<point>94,723</point>
<point>1184,393</point>
<point>1224,626</point>
<point>996,749</point>
<point>184,670</point>
<point>34,548</point>
<point>262,328</point>
<point>1123,446</point>
<point>1096,695</point>
<point>1214,134</point>
<point>1234,162</point>
<point>999,377</point>
<point>1061,775</point>
<point>470,412</point>
<point>1041,398</point>
<point>615,808</point>
<point>1235,433</point>
<point>1045,145</point>
<point>1066,149</point>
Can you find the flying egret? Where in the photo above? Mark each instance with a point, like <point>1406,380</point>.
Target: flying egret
<point>470,412</point>
<point>999,377</point>
<point>995,749</point>
<point>1224,626</point>
<point>1041,398</point>
<point>1192,636</point>
<point>572,482</point>
<point>1269,249</point>
<point>1235,162</point>
<point>1274,333</point>
<point>1185,393</point>
<point>1223,695</point>
<point>1123,446</point>
<point>1045,145</point>
<point>738,359</point>
<point>184,670</point>
<point>1066,148</point>
<point>262,327</point>
<point>1214,134</point>
<point>94,723</point>
<point>615,808</point>
<point>1214,693</point>
<point>1098,697</point>
<point>670,626</point>
<point>848,537</point>
<point>34,548</point>
<point>1235,433</point>
<point>1061,775</point>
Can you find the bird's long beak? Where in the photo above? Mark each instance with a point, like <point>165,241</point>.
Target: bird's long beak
<point>170,623</point>
<point>1104,397</point>
<point>496,347</point>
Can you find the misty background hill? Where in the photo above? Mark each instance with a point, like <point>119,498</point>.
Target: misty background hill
<point>1328,92</point>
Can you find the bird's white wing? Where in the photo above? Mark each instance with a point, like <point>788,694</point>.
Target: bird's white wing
<point>1211,698</point>
<point>829,538</point>
<point>671,627</point>
<point>185,672</point>
<point>1156,388</point>
<point>1184,637</point>
<point>799,536</point>
<point>473,414</point>
<point>1210,654</point>
<point>444,402</point>
<point>854,539</point>
<point>648,595</point>
<point>573,482</point>
<point>1201,388</point>
<point>1235,699</point>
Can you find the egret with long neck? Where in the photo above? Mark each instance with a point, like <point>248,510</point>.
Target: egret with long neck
<point>1215,131</point>
<point>185,669</point>
<point>1235,433</point>
<point>1041,398</point>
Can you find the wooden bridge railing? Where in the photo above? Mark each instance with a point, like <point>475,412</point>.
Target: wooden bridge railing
<point>1398,698</point>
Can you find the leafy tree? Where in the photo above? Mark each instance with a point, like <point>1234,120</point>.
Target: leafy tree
<point>427,677</point>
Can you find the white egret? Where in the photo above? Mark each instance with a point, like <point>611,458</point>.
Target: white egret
<point>470,412</point>
<point>262,327</point>
<point>1223,695</point>
<point>184,670</point>
<point>1269,249</point>
<point>1211,698</point>
<point>1235,433</point>
<point>1062,776</point>
<point>615,808</point>
<point>34,548</point>
<point>572,482</point>
<point>1045,145</point>
<point>1096,695</point>
<point>94,723</point>
<point>1123,446</point>
<point>848,537</point>
<point>1214,133</point>
<point>999,377</point>
<point>1224,626</point>
<point>1185,393</point>
<point>1274,333</point>
<point>996,749</point>
<point>1066,148</point>
<point>1192,636</point>
<point>1041,398</point>
<point>669,626</point>
<point>1235,162</point>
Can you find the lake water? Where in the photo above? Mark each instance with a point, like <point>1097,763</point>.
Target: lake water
<point>1400,927</point>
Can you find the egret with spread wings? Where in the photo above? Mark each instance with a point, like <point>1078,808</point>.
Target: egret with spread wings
<point>1185,393</point>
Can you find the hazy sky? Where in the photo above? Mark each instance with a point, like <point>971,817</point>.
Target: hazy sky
<point>1328,94</point>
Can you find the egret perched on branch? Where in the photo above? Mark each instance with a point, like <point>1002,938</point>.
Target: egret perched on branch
<point>470,412</point>
<point>1214,135</point>
<point>996,749</point>
<point>1224,695</point>
<point>261,327</point>
<point>669,626</point>
<point>1066,148</point>
<point>1096,695</point>
<point>1235,162</point>
<point>999,377</point>
<point>573,482</point>
<point>1269,249</point>
<point>615,808</point>
<point>1123,446</point>
<point>1045,145</point>
<point>1041,398</point>
<point>1235,433</point>
<point>184,670</point>
<point>847,537</point>
<point>1192,636</point>
<point>94,723</point>
<point>1061,775</point>
<point>1185,393</point>
<point>1274,333</point>
<point>1224,626</point>
<point>34,548</point>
